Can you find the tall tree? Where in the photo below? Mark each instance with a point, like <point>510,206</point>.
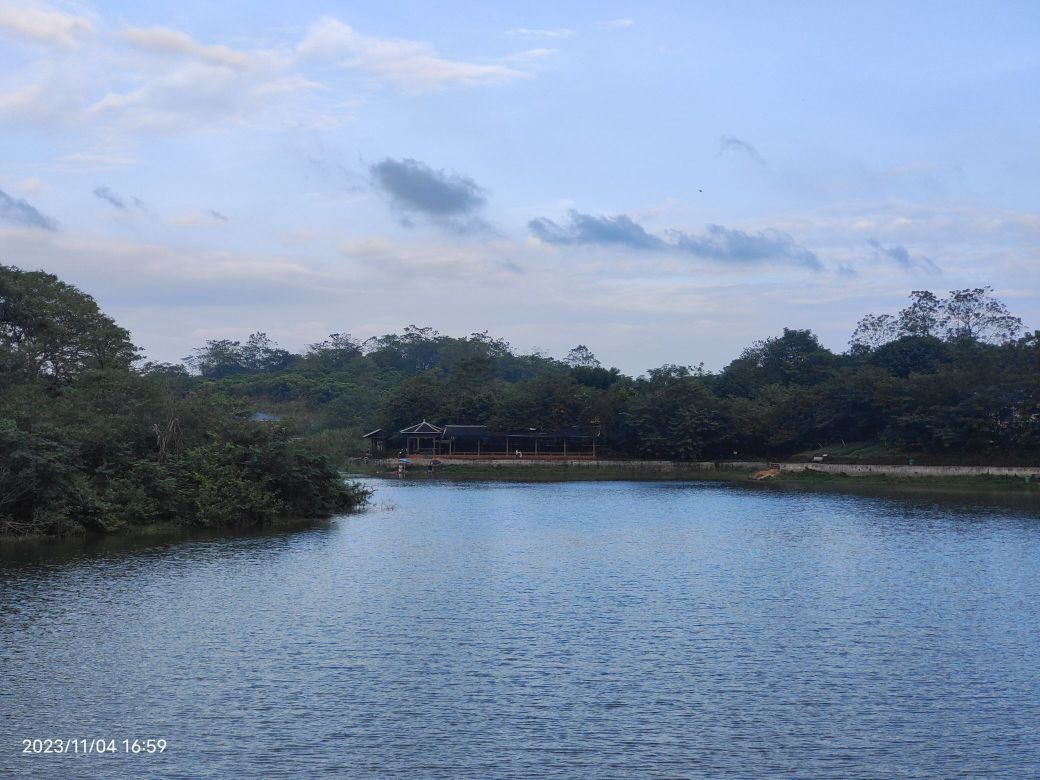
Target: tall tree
<point>923,317</point>
<point>581,357</point>
<point>52,330</point>
<point>975,314</point>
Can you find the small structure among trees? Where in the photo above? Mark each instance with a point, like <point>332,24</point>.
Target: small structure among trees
<point>479,440</point>
<point>376,442</point>
<point>421,437</point>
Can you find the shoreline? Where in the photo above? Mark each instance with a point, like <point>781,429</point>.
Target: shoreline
<point>1018,482</point>
<point>166,531</point>
<point>784,469</point>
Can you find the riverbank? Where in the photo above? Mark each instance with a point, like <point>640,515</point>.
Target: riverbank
<point>546,470</point>
<point>162,532</point>
<point>353,498</point>
<point>962,480</point>
<point>591,466</point>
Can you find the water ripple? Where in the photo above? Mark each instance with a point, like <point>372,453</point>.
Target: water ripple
<point>544,630</point>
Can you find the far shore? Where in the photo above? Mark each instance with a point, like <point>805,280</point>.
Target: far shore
<point>1018,480</point>
<point>817,467</point>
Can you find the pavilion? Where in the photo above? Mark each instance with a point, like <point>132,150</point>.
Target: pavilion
<point>479,440</point>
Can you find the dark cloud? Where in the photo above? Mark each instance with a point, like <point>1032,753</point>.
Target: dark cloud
<point>110,197</point>
<point>20,213</point>
<point>448,200</point>
<point>715,243</point>
<point>123,203</point>
<point>729,143</point>
<point>902,257</point>
<point>217,215</point>
<point>738,246</point>
<point>416,187</point>
<point>621,230</point>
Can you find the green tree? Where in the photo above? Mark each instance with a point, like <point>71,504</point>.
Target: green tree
<point>581,357</point>
<point>976,315</point>
<point>51,330</point>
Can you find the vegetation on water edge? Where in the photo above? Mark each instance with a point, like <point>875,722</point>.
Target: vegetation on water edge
<point>88,442</point>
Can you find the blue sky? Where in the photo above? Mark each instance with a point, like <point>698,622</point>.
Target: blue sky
<point>664,182</point>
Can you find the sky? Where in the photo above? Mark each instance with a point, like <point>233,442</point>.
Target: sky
<point>664,182</point>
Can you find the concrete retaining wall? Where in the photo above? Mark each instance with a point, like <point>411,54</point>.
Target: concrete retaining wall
<point>860,470</point>
<point>631,465</point>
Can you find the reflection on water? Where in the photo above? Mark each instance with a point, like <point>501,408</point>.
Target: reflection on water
<point>542,630</point>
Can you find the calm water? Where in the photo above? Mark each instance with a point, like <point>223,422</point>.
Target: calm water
<point>542,630</point>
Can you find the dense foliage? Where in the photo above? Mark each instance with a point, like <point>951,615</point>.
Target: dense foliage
<point>946,378</point>
<point>88,441</point>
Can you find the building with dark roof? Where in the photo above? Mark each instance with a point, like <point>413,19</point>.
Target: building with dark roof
<point>376,441</point>
<point>454,439</point>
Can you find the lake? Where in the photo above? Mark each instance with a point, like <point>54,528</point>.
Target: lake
<point>558,630</point>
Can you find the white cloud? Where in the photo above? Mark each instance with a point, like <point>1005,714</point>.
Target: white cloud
<point>557,32</point>
<point>166,41</point>
<point>530,57</point>
<point>37,103</point>
<point>413,66</point>
<point>286,86</point>
<point>444,263</point>
<point>616,24</point>
<point>147,270</point>
<point>31,186</point>
<point>162,80</point>
<point>116,101</point>
<point>200,219</point>
<point>93,161</point>
<point>43,25</point>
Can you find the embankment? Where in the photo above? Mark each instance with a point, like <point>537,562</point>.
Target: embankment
<point>671,466</point>
<point>980,478</point>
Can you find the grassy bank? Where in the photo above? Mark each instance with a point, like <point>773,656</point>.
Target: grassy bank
<point>877,454</point>
<point>947,484</point>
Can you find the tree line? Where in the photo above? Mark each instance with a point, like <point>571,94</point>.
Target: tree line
<point>950,378</point>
